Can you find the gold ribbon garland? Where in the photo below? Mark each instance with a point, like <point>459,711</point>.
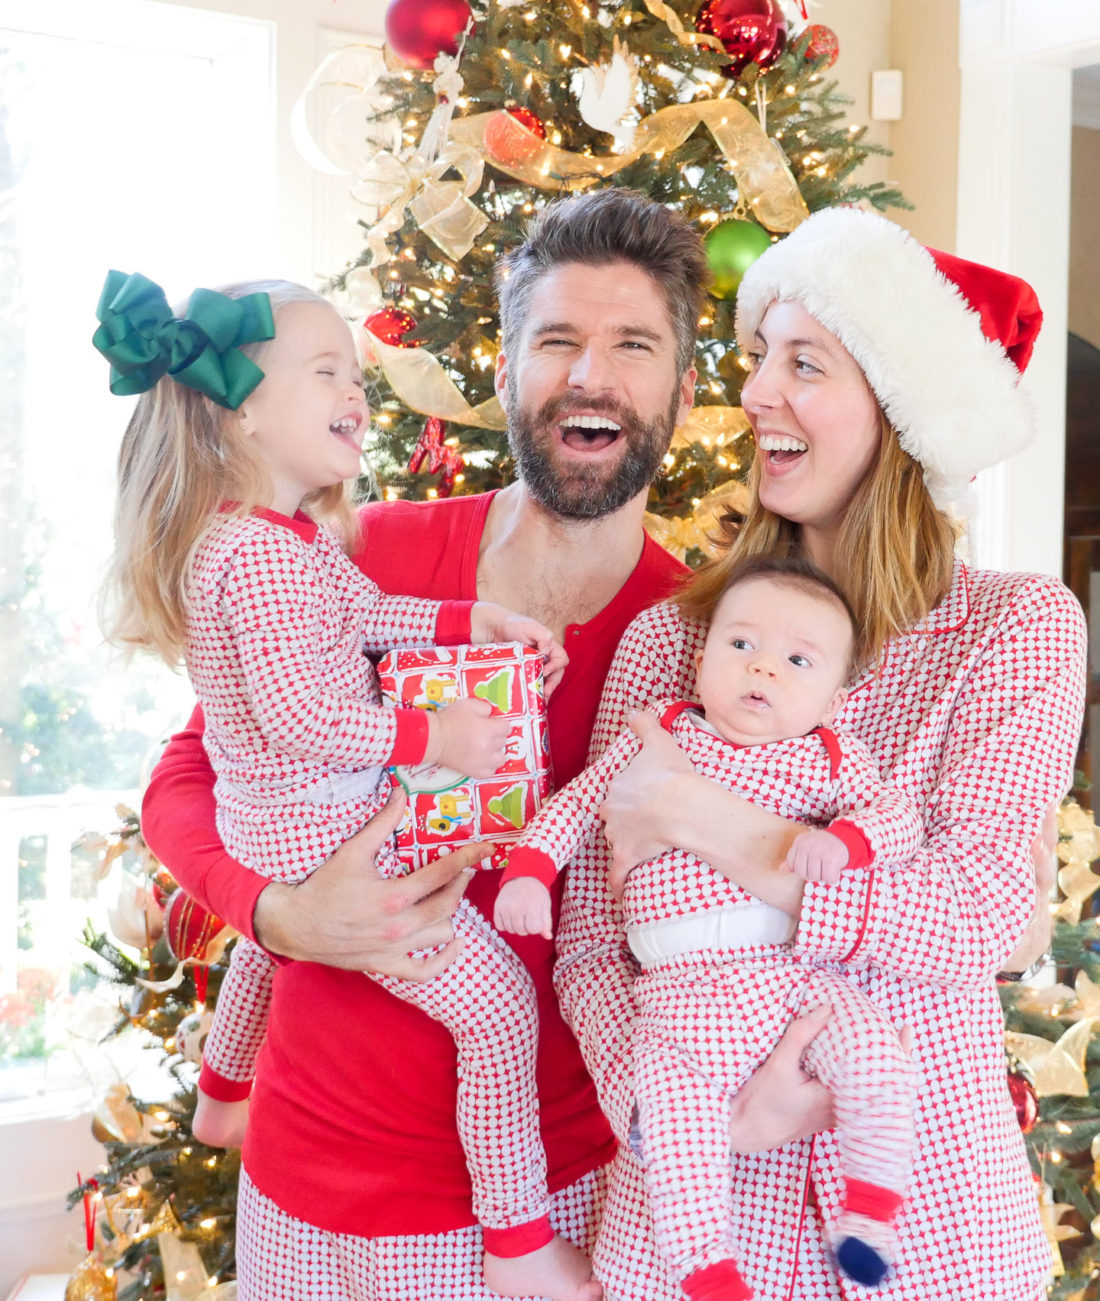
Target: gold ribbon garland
<point>671,19</point>
<point>758,164</point>
<point>418,379</point>
<point>442,209</point>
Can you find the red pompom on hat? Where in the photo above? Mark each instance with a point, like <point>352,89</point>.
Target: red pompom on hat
<point>942,341</point>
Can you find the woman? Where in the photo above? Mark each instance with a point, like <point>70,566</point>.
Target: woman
<point>883,378</point>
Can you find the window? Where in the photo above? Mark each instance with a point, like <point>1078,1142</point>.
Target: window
<point>136,136</point>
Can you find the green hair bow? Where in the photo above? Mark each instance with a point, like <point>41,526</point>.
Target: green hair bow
<point>143,341</point>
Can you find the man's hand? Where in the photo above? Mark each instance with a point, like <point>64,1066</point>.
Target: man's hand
<point>636,798</point>
<point>1036,939</point>
<point>347,915</point>
<point>779,1102</point>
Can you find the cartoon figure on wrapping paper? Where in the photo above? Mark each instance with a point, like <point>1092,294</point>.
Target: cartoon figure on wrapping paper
<point>450,811</point>
<point>439,693</point>
<point>219,563</point>
<point>718,984</point>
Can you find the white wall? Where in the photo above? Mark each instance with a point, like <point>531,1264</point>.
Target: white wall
<point>1014,194</point>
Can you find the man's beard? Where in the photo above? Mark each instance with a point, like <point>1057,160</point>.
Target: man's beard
<point>576,491</point>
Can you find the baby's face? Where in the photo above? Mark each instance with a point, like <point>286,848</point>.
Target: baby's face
<point>775,662</point>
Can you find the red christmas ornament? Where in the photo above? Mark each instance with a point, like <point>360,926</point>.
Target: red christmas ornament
<point>419,30</point>
<point>1024,1099</point>
<point>189,929</point>
<point>391,324</point>
<point>823,44</point>
<point>513,135</point>
<point>753,31</point>
<point>443,460</point>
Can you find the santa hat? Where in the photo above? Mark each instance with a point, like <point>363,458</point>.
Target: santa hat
<point>941,341</point>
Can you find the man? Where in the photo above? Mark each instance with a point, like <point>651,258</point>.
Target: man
<point>356,1185</point>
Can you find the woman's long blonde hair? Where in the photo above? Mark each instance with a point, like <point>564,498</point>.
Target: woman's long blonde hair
<point>182,459</point>
<point>895,549</point>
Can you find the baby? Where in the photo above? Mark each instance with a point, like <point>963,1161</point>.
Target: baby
<point>718,983</point>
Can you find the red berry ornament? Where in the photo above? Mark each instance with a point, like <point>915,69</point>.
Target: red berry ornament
<point>753,31</point>
<point>189,929</point>
<point>419,30</point>
<point>823,44</point>
<point>513,135</point>
<point>391,324</point>
<point>1024,1099</point>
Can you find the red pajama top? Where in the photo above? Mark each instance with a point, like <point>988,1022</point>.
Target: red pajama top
<point>351,1125</point>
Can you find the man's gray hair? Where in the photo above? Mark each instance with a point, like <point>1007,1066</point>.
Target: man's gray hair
<point>602,226</point>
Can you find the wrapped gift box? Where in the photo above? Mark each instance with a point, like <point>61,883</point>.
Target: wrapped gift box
<point>447,809</point>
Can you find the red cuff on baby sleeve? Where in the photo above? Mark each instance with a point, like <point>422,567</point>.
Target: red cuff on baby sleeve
<point>860,853</point>
<point>452,623</point>
<point>220,1089</point>
<point>411,742</point>
<point>525,860</point>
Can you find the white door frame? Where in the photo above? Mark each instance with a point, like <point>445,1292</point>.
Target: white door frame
<point>1017,59</point>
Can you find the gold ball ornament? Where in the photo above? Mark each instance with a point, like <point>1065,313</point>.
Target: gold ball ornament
<point>91,1281</point>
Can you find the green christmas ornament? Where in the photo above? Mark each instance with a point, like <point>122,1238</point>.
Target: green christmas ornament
<point>732,247</point>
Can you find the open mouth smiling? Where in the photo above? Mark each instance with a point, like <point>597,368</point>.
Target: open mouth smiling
<point>781,449</point>
<point>346,429</point>
<point>588,433</point>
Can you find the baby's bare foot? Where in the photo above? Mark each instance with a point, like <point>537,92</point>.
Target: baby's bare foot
<point>559,1272</point>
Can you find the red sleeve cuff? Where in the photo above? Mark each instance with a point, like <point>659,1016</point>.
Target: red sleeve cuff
<point>860,852</point>
<point>524,860</point>
<point>452,624</point>
<point>411,742</point>
<point>220,1089</point>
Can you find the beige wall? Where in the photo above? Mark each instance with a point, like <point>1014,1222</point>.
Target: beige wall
<point>1084,235</point>
<point>924,44</point>
<point>921,38</point>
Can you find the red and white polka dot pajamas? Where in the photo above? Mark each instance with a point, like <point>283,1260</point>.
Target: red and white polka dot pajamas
<point>719,983</point>
<point>975,715</point>
<point>351,1138</point>
<point>298,734</point>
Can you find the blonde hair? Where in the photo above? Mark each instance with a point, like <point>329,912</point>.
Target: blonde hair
<point>897,548</point>
<point>182,459</point>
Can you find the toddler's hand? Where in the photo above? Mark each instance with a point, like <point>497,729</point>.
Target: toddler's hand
<point>818,856</point>
<point>523,908</point>
<point>489,622</point>
<point>466,737</point>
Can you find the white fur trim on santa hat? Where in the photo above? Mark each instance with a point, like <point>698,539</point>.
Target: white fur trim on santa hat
<point>951,393</point>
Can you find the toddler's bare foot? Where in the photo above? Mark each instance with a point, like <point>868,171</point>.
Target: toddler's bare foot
<point>219,1124</point>
<point>558,1272</point>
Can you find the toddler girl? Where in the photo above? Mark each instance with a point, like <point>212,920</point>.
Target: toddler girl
<point>227,475</point>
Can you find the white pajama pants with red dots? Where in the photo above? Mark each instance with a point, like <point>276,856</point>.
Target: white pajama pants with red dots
<point>280,1258</point>
<point>486,1001</point>
<point>704,1025</point>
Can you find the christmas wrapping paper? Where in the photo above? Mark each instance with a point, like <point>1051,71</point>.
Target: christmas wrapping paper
<point>447,809</point>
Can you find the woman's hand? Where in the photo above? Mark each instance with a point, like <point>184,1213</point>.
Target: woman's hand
<point>638,798</point>
<point>347,915</point>
<point>779,1102</point>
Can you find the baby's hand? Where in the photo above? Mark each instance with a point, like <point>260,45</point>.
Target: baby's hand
<point>818,856</point>
<point>489,622</point>
<point>523,908</point>
<point>466,737</point>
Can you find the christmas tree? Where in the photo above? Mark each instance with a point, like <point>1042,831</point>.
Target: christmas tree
<point>161,1213</point>
<point>722,110</point>
<point>485,113</point>
<point>1054,1074</point>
